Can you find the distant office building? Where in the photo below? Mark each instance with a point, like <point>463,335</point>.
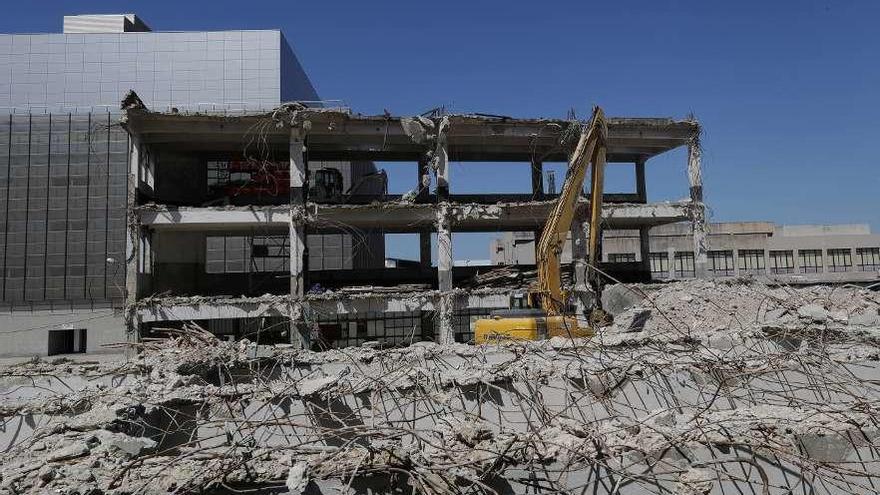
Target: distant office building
<point>786,253</point>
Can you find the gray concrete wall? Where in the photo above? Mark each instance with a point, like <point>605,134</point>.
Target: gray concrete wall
<point>26,333</point>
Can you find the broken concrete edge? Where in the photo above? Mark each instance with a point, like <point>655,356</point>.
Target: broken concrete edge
<point>296,113</point>
<point>376,293</point>
<point>312,212</point>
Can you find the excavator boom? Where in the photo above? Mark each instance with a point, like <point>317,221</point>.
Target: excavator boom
<point>548,294</point>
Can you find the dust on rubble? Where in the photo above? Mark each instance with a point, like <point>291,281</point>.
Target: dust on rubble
<point>700,387</point>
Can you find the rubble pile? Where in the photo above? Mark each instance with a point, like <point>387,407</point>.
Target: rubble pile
<point>700,388</point>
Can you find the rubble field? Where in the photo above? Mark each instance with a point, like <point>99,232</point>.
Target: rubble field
<point>700,388</point>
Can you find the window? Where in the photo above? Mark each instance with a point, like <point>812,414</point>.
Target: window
<point>659,265</point>
<point>751,261</point>
<point>621,257</point>
<point>781,262</point>
<point>810,260</point>
<point>251,254</point>
<point>869,259</point>
<point>67,341</point>
<point>839,260</point>
<point>721,263</point>
<point>218,173</point>
<point>684,265</point>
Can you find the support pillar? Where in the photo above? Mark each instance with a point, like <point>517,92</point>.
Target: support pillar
<point>425,250</point>
<point>441,161</point>
<point>641,184</point>
<point>670,253</point>
<point>645,248</point>
<point>698,208</point>
<point>423,182</point>
<point>537,181</point>
<point>579,252</point>
<point>133,243</point>
<point>446,330</point>
<point>299,328</point>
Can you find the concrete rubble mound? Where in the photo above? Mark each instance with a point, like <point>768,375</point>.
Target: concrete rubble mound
<point>697,388</point>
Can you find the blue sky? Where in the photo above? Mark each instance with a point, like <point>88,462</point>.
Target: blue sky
<point>787,91</point>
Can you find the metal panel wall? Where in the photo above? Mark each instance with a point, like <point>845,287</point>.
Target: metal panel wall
<point>62,208</point>
<point>207,71</point>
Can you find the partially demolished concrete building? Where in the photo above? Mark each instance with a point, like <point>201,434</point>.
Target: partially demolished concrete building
<point>335,308</point>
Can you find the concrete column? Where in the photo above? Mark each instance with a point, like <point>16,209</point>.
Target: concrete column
<point>423,181</point>
<point>670,253</point>
<point>442,162</point>
<point>641,184</point>
<point>446,332</point>
<point>425,249</point>
<point>736,270</point>
<point>579,253</point>
<point>537,181</point>
<point>299,331</point>
<point>132,242</point>
<point>698,208</point>
<point>645,248</point>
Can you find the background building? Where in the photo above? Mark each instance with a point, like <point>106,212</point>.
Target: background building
<point>787,253</point>
<point>64,161</point>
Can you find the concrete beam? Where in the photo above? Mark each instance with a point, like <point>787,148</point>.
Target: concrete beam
<point>406,217</point>
<point>188,309</point>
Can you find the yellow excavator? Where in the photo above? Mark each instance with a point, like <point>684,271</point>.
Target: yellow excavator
<point>545,313</point>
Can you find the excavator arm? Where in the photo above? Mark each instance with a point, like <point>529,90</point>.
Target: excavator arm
<point>590,149</point>
<point>546,315</point>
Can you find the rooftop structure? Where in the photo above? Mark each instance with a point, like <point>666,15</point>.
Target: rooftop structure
<point>104,23</point>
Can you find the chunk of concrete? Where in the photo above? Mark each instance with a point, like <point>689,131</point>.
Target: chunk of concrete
<point>618,298</point>
<point>867,318</point>
<point>633,320</point>
<point>813,312</point>
<point>71,451</point>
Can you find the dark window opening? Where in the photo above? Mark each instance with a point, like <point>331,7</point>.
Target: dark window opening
<point>869,259</point>
<point>751,261</point>
<point>721,263</point>
<point>67,341</point>
<point>781,262</point>
<point>839,260</point>
<point>621,257</point>
<point>684,265</point>
<point>810,260</point>
<point>659,264</point>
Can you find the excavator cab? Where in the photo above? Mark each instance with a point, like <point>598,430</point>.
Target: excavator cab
<point>546,310</point>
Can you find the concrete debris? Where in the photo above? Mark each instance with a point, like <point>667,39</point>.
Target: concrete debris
<point>699,387</point>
